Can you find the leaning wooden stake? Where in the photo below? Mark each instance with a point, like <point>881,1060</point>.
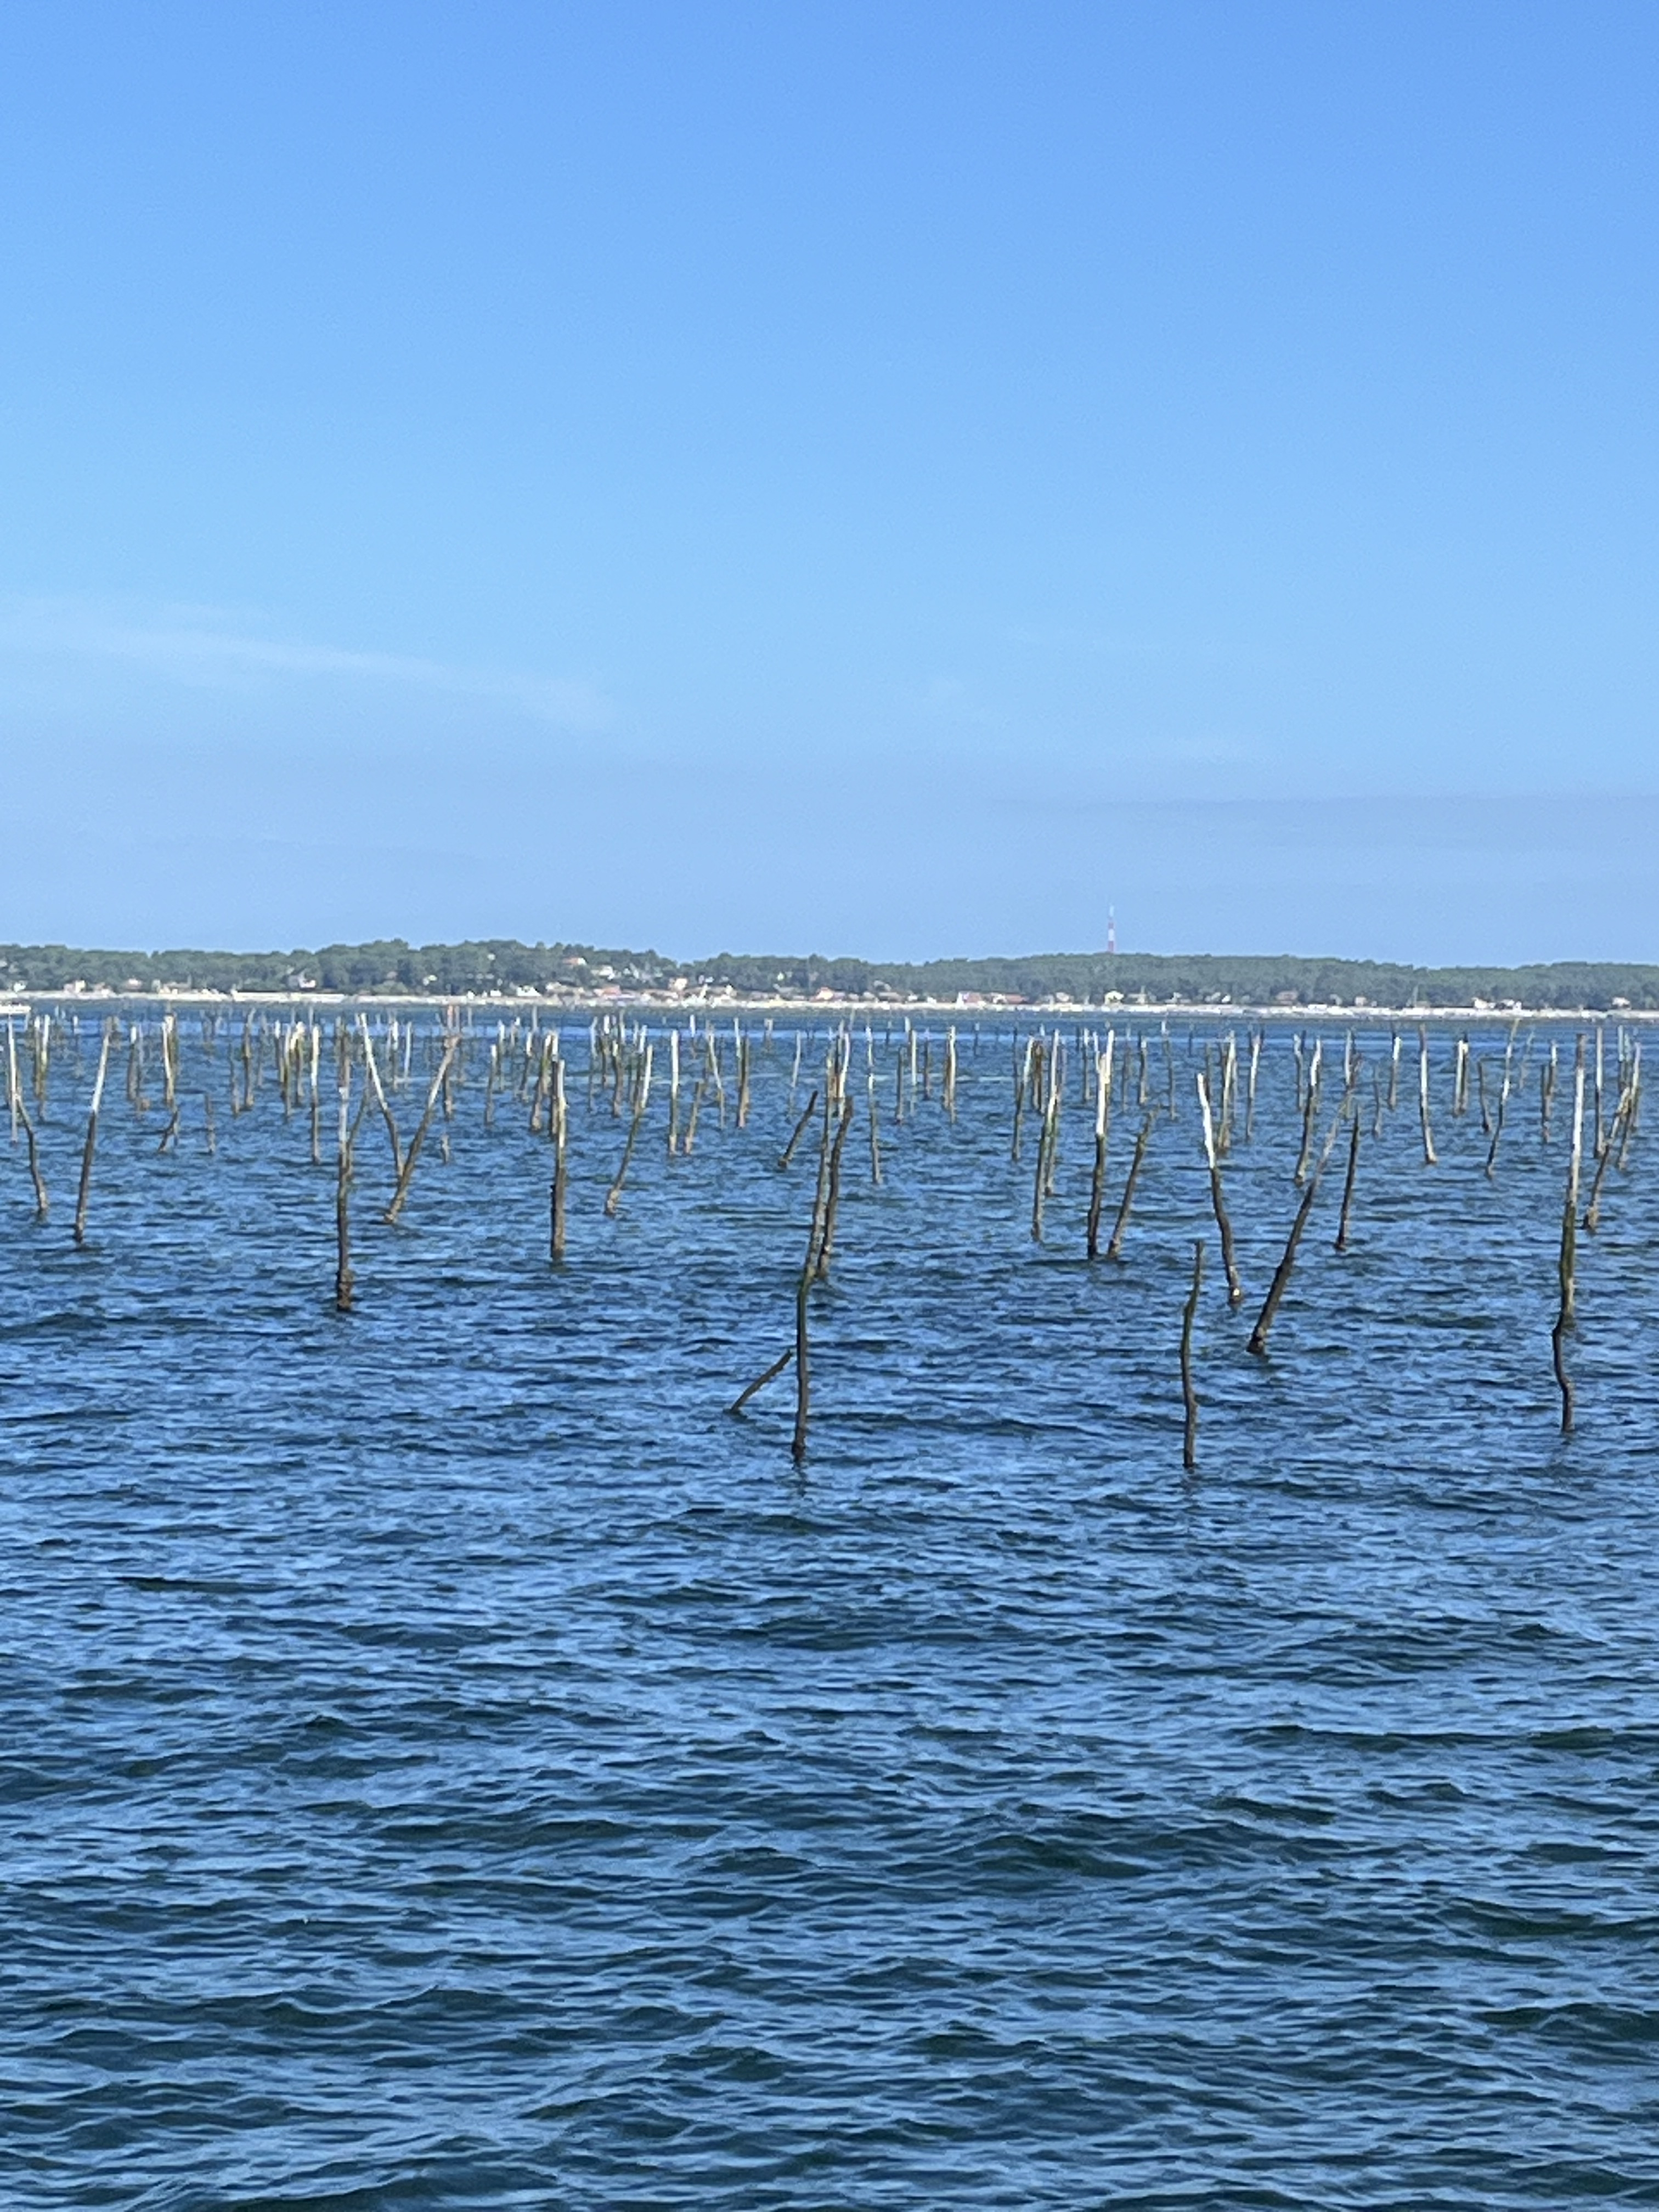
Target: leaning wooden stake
<point>381,1101</point>
<point>1057,1081</point>
<point>799,1350</point>
<point>1633,1107</point>
<point>1276,1289</point>
<point>810,1267</point>
<point>85,1191</point>
<point>1348,1183</point>
<point>1593,1210</point>
<point>769,1375</point>
<point>1218,1200</point>
<point>797,1133</point>
<point>1309,1109</point>
<point>1567,1314</point>
<point>641,1094</point>
<point>1114,1249</point>
<point>1503,1101</point>
<point>1021,1085</point>
<point>1429,1158</point>
<point>406,1174</point>
<point>832,1202</point>
<point>1189,1446</point>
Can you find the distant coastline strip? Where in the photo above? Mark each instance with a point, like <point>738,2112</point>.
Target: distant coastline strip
<point>503,968</point>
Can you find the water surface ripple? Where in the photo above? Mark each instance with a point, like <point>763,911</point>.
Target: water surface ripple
<point>446,1761</point>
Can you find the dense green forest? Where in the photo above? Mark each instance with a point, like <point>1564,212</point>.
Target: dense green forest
<point>501,964</point>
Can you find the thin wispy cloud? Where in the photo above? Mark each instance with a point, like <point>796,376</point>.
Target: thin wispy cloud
<point>202,647</point>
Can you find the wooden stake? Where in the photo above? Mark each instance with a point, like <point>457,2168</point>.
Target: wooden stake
<point>800,1349</point>
<point>799,1131</point>
<point>560,1121</point>
<point>1189,1396</point>
<point>832,1202</point>
<point>1347,1185</point>
<point>1503,1105</point>
<point>1114,1249</point>
<point>641,1094</point>
<point>380,1099</point>
<point>316,1097</point>
<point>1634,1107</point>
<point>1223,1135</point>
<point>1429,1158</point>
<point>1309,1109</point>
<point>1056,1100</point>
<point>1218,1200</point>
<point>1102,1126</point>
<point>1276,1289</point>
<point>1613,1151</point>
<point>406,1173</point>
<point>803,1293</point>
<point>1567,1314</point>
<point>91,1146</point>
<point>1021,1085</point>
<point>20,1113</point>
<point>1047,1141</point>
<point>342,1276</point>
<point>769,1375</point>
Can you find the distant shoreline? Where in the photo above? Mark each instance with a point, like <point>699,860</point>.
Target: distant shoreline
<point>960,1011</point>
<point>505,971</point>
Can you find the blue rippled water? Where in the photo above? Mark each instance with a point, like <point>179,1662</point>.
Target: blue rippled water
<point>445,1760</point>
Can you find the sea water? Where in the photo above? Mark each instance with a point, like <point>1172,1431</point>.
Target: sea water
<point>446,1760</point>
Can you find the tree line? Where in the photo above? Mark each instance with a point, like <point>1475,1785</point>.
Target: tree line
<point>391,968</point>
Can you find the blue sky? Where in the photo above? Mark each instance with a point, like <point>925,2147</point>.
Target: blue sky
<point>886,478</point>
